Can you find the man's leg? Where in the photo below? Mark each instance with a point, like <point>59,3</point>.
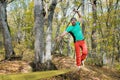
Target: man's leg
<point>84,50</point>
<point>78,55</point>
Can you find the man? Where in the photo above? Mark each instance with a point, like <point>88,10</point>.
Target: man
<point>79,43</point>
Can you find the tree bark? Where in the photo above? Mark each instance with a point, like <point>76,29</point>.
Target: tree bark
<point>83,13</point>
<point>68,46</point>
<point>39,31</point>
<point>93,37</point>
<point>64,10</point>
<point>49,32</point>
<point>6,32</point>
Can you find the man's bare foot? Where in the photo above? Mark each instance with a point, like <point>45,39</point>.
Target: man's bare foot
<point>79,67</point>
<point>82,63</point>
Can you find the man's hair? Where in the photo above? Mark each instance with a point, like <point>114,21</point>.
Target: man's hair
<point>73,18</point>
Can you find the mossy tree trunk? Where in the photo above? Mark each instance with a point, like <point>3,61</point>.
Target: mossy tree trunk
<point>39,31</point>
<point>49,32</point>
<point>6,31</point>
<point>93,36</point>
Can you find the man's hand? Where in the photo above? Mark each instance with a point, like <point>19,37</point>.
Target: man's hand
<point>75,10</point>
<point>80,17</point>
<point>58,39</point>
<point>61,36</point>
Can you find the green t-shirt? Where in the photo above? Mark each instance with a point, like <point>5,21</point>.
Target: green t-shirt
<point>75,31</point>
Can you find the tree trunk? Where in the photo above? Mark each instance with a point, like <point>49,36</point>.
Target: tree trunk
<point>68,46</point>
<point>93,37</point>
<point>39,31</point>
<point>118,44</point>
<point>118,54</point>
<point>118,33</point>
<point>6,32</point>
<point>64,10</point>
<point>83,13</point>
<point>49,32</point>
<point>1,38</point>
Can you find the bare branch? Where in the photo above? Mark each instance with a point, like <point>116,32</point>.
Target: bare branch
<point>9,1</point>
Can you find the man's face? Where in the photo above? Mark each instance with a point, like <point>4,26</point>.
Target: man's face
<point>73,21</point>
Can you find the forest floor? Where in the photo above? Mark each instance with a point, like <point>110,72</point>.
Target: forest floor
<point>86,72</point>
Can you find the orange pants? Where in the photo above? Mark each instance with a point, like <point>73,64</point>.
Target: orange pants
<point>81,51</point>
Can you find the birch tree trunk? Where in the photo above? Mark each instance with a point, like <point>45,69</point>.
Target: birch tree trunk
<point>83,13</point>
<point>39,31</point>
<point>93,37</point>
<point>6,32</point>
<point>49,30</point>
<point>64,11</point>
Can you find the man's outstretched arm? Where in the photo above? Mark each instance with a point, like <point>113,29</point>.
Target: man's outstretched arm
<point>79,15</point>
<point>61,36</point>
